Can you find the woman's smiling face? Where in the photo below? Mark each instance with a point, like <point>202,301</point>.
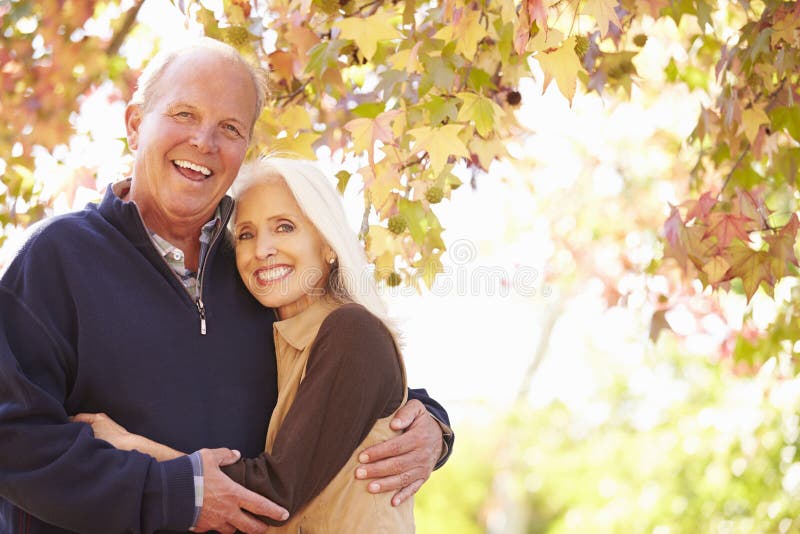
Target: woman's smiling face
<point>281,256</point>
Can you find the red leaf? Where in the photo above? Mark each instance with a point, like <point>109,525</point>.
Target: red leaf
<point>727,226</point>
<point>700,208</point>
<point>538,12</point>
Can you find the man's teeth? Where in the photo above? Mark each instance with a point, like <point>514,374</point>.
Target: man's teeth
<point>193,166</point>
<point>268,275</point>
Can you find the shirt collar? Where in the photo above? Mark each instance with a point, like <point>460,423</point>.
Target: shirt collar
<point>301,329</point>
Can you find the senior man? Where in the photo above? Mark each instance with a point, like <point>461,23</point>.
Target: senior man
<point>134,308</point>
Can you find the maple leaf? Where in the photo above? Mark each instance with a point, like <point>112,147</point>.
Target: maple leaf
<point>537,12</point>
<point>674,227</point>
<point>751,266</point>
<point>522,32</point>
<point>700,208</point>
<point>716,269</point>
<point>727,226</point>
<point>604,13</point>
<point>381,186</point>
<point>440,144</point>
<point>752,119</point>
<point>368,31</point>
<point>562,65</point>
<point>751,204</point>
<point>467,31</point>
<point>365,132</point>
<point>482,111</point>
<point>781,247</point>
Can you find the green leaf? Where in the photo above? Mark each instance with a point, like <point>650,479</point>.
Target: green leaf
<point>342,178</point>
<point>788,118</point>
<point>414,213</point>
<point>369,110</point>
<point>441,110</point>
<point>324,56</point>
<point>481,111</point>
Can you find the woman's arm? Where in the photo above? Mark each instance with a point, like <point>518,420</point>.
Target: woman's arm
<point>108,430</point>
<point>353,378</point>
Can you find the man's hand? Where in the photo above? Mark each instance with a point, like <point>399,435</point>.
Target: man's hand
<point>226,503</point>
<point>406,461</point>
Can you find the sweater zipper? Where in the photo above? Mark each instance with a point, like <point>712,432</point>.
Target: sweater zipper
<point>201,308</point>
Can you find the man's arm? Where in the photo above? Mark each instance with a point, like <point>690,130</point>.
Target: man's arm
<point>56,469</point>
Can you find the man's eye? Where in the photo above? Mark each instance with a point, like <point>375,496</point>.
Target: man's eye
<point>244,235</point>
<point>233,129</point>
<point>285,227</point>
<point>183,114</point>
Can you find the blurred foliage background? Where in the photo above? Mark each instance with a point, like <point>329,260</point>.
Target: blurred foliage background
<point>608,305</point>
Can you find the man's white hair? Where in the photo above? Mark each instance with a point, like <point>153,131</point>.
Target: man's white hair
<point>155,69</point>
<point>351,279</point>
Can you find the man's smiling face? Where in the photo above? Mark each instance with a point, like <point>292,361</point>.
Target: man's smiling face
<point>190,137</point>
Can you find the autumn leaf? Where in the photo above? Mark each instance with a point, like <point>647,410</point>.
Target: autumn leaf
<point>537,12</point>
<point>700,209</point>
<point>781,247</point>
<point>481,111</point>
<point>365,132</point>
<point>752,119</point>
<point>604,13</point>
<point>440,144</point>
<point>522,32</point>
<point>727,226</point>
<point>367,32</point>
<point>716,269</point>
<point>751,266</point>
<point>674,227</point>
<point>562,65</point>
<point>381,185</point>
<point>467,31</point>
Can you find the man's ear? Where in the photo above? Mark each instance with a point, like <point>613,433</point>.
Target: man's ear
<point>133,117</point>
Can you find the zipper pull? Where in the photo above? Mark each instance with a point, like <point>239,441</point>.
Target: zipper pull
<point>202,311</point>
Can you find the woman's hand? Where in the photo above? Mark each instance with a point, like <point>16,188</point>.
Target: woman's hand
<point>106,429</point>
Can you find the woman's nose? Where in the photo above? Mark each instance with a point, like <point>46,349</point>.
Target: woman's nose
<point>265,248</point>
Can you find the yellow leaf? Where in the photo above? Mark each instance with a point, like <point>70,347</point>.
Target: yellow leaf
<point>440,143</point>
<point>468,33</point>
<point>752,119</point>
<point>381,186</point>
<point>603,12</point>
<point>295,118</point>
<point>487,150</point>
<point>563,66</point>
<point>366,131</point>
<point>429,267</point>
<point>716,269</point>
<point>481,111</point>
<point>545,41</point>
<point>368,31</point>
<point>408,59</point>
<point>298,147</point>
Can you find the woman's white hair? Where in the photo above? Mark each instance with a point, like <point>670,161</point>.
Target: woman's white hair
<point>350,278</point>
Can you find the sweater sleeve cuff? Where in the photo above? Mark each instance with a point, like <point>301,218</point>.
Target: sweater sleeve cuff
<point>447,440</point>
<point>179,493</point>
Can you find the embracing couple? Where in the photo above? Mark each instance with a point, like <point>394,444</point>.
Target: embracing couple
<point>172,362</point>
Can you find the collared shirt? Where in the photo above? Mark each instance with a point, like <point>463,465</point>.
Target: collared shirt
<point>176,259</point>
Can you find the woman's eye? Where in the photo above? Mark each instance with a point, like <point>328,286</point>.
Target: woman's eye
<point>244,235</point>
<point>285,227</point>
<point>183,114</point>
<point>233,129</point>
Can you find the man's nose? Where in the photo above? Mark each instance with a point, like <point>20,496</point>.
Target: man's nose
<point>204,138</point>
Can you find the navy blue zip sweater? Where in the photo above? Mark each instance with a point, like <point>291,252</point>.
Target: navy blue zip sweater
<point>93,320</point>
